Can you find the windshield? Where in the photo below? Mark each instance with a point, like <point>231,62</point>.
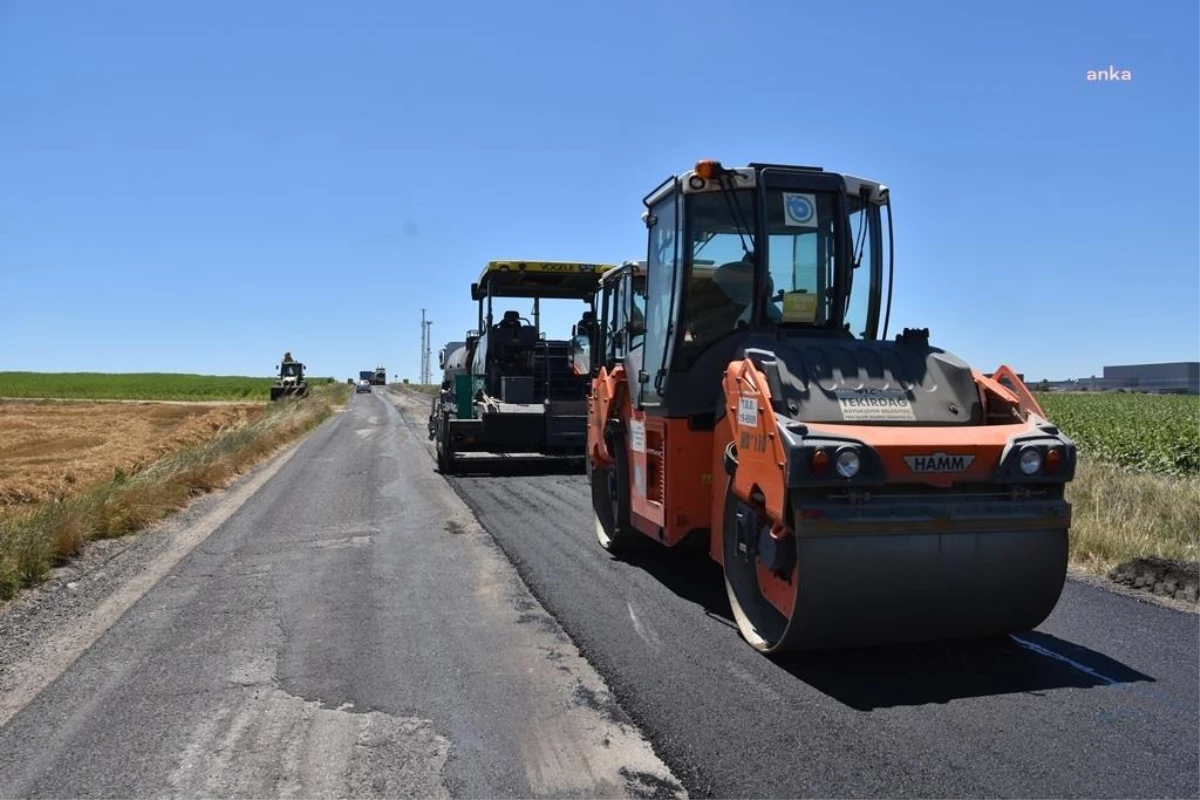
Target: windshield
<point>801,258</point>
<point>720,286</point>
<point>801,262</point>
<point>626,304</point>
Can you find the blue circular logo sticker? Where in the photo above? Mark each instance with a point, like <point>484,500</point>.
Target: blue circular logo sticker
<point>798,209</point>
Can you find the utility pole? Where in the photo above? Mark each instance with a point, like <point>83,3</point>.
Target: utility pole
<point>428,349</point>
<point>425,377</point>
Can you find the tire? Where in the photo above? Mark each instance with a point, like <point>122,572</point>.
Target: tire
<point>445,454</point>
<point>610,505</point>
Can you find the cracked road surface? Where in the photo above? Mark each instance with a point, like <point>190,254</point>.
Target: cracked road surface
<point>348,631</point>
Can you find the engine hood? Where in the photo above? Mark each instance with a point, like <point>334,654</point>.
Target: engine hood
<point>847,381</point>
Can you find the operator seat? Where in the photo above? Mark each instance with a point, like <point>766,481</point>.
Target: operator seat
<point>732,287</point>
<point>736,279</point>
<point>512,346</point>
<point>508,328</point>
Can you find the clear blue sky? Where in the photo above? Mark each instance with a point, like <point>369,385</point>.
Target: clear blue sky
<point>199,186</point>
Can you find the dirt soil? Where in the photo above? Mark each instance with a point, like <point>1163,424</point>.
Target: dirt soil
<point>1174,579</point>
<point>52,450</point>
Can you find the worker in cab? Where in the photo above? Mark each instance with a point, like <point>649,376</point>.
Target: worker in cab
<point>586,325</point>
<point>736,280</point>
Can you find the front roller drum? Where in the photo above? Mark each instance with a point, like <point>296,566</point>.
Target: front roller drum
<point>610,504</point>
<point>841,591</point>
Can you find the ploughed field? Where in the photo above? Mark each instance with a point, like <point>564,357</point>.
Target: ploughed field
<point>51,450</point>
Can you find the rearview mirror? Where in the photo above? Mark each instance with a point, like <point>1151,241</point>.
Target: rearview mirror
<point>636,327</point>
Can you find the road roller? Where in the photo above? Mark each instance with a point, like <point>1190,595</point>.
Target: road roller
<point>746,400</point>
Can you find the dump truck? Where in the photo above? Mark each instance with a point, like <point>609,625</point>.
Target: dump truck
<point>746,400</point>
<point>289,380</point>
<point>520,394</point>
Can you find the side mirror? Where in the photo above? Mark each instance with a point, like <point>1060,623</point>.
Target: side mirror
<point>636,327</point>
<point>581,355</point>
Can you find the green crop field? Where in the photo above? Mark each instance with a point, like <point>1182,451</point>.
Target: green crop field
<point>1141,432</point>
<point>134,386</point>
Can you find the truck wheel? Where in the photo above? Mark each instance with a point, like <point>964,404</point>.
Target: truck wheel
<point>445,454</point>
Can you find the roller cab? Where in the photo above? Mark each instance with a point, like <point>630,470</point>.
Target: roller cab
<point>856,490</point>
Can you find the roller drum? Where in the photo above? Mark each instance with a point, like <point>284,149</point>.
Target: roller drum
<point>890,588</point>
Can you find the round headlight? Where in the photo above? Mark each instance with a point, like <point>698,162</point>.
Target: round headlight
<point>1031,461</point>
<point>847,463</point>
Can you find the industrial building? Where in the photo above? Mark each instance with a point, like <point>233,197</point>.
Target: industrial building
<point>1177,377</point>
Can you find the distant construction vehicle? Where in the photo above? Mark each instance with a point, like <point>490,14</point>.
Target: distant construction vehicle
<point>379,378</point>
<point>746,399</point>
<point>290,380</point>
<point>516,392</point>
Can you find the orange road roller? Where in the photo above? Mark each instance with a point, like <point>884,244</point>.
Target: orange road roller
<point>745,399</point>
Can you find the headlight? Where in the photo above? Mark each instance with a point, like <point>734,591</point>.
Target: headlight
<point>847,463</point>
<point>1031,460</point>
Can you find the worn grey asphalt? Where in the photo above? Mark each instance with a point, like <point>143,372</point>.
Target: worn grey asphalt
<point>1101,701</point>
<point>349,631</point>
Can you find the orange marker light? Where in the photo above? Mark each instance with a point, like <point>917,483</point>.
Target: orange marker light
<point>820,462</point>
<point>707,168</point>
<point>1052,460</point>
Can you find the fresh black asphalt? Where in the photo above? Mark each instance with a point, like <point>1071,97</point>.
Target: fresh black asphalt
<point>1099,701</point>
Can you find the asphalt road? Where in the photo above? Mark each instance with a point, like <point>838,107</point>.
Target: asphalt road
<point>349,630</point>
<point>1101,701</point>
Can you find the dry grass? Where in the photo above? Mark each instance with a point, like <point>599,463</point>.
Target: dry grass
<point>98,471</point>
<point>34,538</point>
<point>1119,515</point>
<point>54,450</point>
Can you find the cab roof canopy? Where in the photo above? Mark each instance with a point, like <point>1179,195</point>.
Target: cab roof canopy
<point>703,178</point>
<point>569,280</point>
<point>633,266</point>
